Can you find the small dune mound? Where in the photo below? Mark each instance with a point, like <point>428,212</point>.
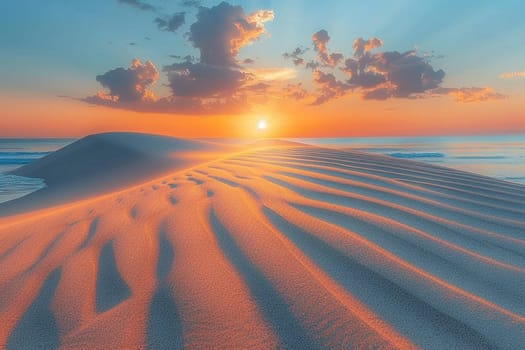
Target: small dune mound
<point>107,162</point>
<point>110,157</point>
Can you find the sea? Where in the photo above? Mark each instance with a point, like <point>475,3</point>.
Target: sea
<point>502,157</point>
<point>17,152</point>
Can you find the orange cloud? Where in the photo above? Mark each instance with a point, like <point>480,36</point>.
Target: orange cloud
<point>320,39</point>
<point>510,75</point>
<point>131,84</point>
<point>472,94</point>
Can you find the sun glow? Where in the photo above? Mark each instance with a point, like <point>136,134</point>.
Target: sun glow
<point>262,125</point>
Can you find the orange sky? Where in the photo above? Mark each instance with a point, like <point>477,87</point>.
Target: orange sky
<point>348,116</point>
<point>385,72</point>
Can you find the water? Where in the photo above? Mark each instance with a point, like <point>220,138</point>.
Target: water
<point>17,152</point>
<point>502,157</point>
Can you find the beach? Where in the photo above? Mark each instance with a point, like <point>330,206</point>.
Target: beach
<point>150,242</point>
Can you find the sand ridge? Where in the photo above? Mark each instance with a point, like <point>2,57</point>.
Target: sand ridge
<point>281,246</point>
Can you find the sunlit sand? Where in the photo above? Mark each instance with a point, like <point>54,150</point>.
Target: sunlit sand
<point>144,241</point>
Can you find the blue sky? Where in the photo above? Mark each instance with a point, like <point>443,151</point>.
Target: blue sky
<point>59,47</point>
<point>478,39</point>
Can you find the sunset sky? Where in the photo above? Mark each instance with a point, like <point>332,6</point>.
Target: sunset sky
<point>308,68</point>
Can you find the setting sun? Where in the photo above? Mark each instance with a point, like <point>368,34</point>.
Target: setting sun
<point>232,174</point>
<point>262,125</point>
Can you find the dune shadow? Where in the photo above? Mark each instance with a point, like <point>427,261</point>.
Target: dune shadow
<point>91,232</point>
<point>37,328</point>
<point>225,181</point>
<point>409,314</point>
<point>196,181</point>
<point>273,307</point>
<point>164,327</point>
<point>111,289</point>
<point>165,258</point>
<point>47,250</point>
<point>172,199</point>
<point>133,212</point>
<point>12,249</point>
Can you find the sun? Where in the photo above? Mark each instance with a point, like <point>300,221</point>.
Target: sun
<point>262,125</point>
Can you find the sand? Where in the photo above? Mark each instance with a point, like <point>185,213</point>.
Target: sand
<point>171,244</point>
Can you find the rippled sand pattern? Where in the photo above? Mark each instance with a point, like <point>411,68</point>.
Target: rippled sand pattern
<point>280,247</point>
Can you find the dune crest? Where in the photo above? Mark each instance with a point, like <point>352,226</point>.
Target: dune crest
<point>104,163</point>
<point>284,246</point>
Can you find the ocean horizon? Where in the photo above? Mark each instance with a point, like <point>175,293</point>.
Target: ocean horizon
<point>501,157</point>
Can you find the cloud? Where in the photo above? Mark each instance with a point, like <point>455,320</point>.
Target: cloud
<point>371,75</point>
<point>129,84</point>
<point>329,87</point>
<point>361,46</point>
<point>510,75</point>
<point>295,91</point>
<point>203,80</point>
<point>402,74</point>
<point>272,73</point>
<point>472,94</point>
<point>216,82</point>
<point>138,4</point>
<point>296,56</point>
<point>248,61</point>
<point>171,24</point>
<point>320,39</point>
<point>221,31</point>
<point>379,75</point>
<point>128,89</point>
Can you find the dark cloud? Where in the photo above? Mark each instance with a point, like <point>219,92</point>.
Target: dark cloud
<point>313,65</point>
<point>248,61</point>
<point>389,74</point>
<point>171,24</point>
<point>128,89</point>
<point>329,87</point>
<point>296,56</point>
<point>221,31</point>
<point>138,4</point>
<point>320,39</point>
<point>132,44</point>
<point>399,74</point>
<point>129,84</point>
<point>381,75</point>
<point>214,83</point>
<point>201,80</point>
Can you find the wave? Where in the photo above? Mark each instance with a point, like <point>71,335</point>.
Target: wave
<point>416,155</point>
<point>15,158</point>
<point>13,186</point>
<point>479,157</point>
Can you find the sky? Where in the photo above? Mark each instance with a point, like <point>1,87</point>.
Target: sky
<point>192,68</point>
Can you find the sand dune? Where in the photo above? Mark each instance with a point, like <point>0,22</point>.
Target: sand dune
<point>107,162</point>
<point>278,246</point>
